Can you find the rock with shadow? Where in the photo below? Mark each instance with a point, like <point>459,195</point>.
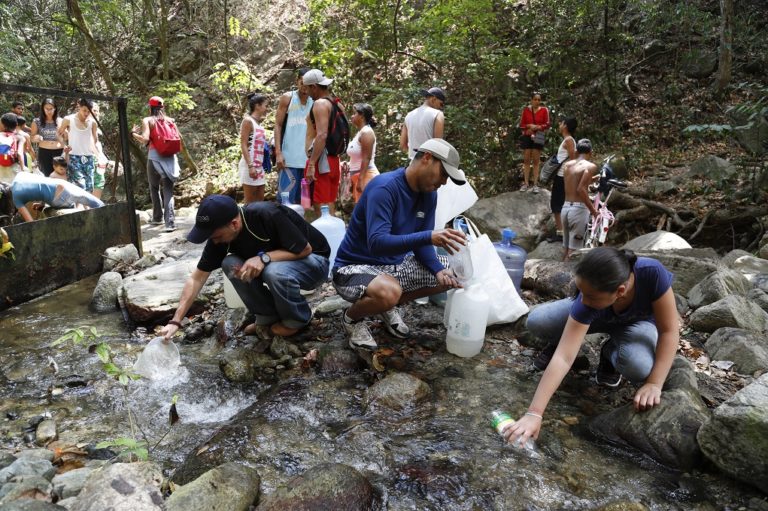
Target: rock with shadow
<point>230,487</point>
<point>553,279</point>
<point>716,286</point>
<point>736,437</point>
<point>321,488</point>
<point>122,487</point>
<point>747,350</point>
<point>667,432</point>
<point>734,311</point>
<point>398,391</point>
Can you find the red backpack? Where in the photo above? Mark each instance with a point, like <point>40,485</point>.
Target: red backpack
<point>165,137</point>
<point>9,148</point>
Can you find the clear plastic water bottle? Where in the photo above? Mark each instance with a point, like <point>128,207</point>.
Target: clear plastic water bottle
<point>513,257</point>
<point>306,199</point>
<point>500,420</point>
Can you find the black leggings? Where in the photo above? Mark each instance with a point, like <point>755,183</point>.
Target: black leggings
<point>45,159</point>
<point>557,199</point>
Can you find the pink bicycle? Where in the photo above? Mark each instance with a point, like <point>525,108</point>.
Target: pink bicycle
<point>598,226</point>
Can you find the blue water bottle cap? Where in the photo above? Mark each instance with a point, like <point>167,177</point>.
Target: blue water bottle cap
<point>325,210</point>
<point>508,234</point>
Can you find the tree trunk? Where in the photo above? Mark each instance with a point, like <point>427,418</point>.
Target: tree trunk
<point>162,36</point>
<point>726,45</point>
<point>76,15</point>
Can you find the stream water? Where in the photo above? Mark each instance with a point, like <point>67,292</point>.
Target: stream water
<point>438,456</point>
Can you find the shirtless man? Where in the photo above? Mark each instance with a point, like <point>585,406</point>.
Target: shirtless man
<point>577,174</point>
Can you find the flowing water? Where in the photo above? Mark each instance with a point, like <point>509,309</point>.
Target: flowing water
<point>442,455</point>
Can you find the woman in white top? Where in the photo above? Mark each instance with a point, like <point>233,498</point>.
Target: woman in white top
<point>566,151</point>
<point>253,138</point>
<point>362,149</point>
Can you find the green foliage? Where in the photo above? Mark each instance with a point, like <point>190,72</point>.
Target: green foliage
<point>129,449</point>
<point>177,95</point>
<point>77,336</point>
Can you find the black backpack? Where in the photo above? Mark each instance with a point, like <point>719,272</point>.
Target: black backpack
<point>338,130</point>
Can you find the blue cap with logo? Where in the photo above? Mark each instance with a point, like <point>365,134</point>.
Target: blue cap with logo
<point>215,211</point>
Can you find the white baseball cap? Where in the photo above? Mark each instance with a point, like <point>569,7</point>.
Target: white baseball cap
<point>447,154</point>
<point>316,77</point>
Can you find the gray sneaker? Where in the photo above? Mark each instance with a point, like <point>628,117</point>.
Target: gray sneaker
<point>535,189</point>
<point>394,323</point>
<point>359,335</point>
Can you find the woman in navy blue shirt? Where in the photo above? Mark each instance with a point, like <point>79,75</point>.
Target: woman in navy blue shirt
<point>627,297</point>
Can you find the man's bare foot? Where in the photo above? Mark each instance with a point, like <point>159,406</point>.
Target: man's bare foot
<point>282,330</point>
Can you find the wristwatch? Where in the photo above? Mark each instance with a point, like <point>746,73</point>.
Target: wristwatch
<point>265,258</point>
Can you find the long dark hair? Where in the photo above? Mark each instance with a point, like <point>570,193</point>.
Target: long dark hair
<point>606,268</point>
<point>366,111</point>
<point>43,118</point>
<point>157,111</point>
<point>255,98</point>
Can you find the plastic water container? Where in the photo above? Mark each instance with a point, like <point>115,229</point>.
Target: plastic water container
<point>513,257</point>
<point>286,201</point>
<point>306,199</point>
<point>333,229</point>
<point>468,316</point>
<point>440,299</point>
<point>231,297</point>
<point>158,360</point>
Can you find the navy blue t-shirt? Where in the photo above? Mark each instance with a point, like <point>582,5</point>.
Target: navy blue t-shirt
<point>389,221</point>
<point>652,280</point>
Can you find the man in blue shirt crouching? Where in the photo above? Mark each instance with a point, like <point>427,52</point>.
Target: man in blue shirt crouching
<point>387,256</point>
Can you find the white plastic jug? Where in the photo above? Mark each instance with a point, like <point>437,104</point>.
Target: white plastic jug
<point>285,201</point>
<point>231,297</point>
<point>467,319</point>
<point>158,360</point>
<point>333,229</point>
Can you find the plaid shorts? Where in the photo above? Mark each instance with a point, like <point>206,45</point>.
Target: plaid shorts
<point>352,280</point>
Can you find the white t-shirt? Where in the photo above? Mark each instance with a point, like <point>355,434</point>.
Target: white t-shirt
<point>355,151</point>
<point>81,140</point>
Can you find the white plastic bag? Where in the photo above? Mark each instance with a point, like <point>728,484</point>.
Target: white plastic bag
<point>506,304</point>
<point>453,200</point>
<point>158,360</point>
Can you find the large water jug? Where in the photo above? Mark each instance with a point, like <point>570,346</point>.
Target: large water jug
<point>467,321</point>
<point>306,199</point>
<point>513,257</point>
<point>286,201</point>
<point>333,229</point>
<point>231,298</point>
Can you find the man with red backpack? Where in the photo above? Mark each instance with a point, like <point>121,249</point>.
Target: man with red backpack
<point>327,137</point>
<point>11,148</point>
<point>160,134</point>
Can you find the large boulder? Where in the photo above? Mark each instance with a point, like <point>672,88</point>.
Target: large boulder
<point>667,432</point>
<point>753,136</point>
<point>228,487</point>
<point>716,286</point>
<point>153,295</point>
<point>758,297</point>
<point>751,266</point>
<point>553,251</point>
<point>734,311</point>
<point>747,350</point>
<point>689,266</point>
<point>657,240</point>
<point>698,63</point>
<point>122,487</point>
<point>323,487</point>
<point>27,467</point>
<point>105,294</point>
<point>712,167</point>
<point>70,483</point>
<point>736,437</point>
<point>552,279</point>
<point>23,488</point>
<point>522,212</point>
<point>730,258</point>
<point>397,391</point>
<point>123,254</point>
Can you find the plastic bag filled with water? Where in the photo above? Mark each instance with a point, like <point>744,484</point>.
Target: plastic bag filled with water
<point>158,360</point>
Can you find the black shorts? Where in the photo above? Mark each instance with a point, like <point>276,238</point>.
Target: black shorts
<point>557,199</point>
<point>526,142</point>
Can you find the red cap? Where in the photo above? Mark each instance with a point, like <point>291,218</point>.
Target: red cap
<point>155,101</point>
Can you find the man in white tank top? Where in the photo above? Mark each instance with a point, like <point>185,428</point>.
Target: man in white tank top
<point>78,133</point>
<point>424,122</point>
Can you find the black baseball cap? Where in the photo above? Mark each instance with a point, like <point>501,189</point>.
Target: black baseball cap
<point>215,211</point>
<point>436,92</point>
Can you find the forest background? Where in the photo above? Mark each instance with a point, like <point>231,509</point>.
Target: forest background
<point>661,82</point>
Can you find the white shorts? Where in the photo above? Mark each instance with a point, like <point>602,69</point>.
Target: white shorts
<point>245,177</point>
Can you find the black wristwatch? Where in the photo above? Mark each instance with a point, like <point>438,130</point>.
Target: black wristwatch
<point>265,258</point>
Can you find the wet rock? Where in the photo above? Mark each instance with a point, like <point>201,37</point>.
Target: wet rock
<point>149,260</point>
<point>751,266</point>
<point>70,483</point>
<point>733,311</point>
<point>553,251</point>
<point>6,459</point>
<point>698,63</point>
<point>552,279</point>
<point>232,323</point>
<point>153,295</point>
<point>759,297</point>
<point>323,487</point>
<point>716,286</point>
<point>244,366</point>
<point>736,437</point>
<point>25,487</point>
<point>46,431</point>
<point>397,391</point>
<point>125,254</point>
<point>667,432</point>
<point>280,347</point>
<point>229,487</point>
<point>747,350</point>
<point>338,360</point>
<point>32,505</point>
<point>522,211</point>
<point>27,467</point>
<point>105,294</point>
<point>122,487</point>
<point>331,304</point>
<point>622,505</point>
<point>657,240</point>
<point>760,281</point>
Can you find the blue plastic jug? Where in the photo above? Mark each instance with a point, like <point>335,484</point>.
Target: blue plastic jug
<point>333,229</point>
<point>512,256</point>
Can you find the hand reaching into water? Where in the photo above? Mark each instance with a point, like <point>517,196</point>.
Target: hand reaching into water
<point>167,332</point>
<point>525,428</point>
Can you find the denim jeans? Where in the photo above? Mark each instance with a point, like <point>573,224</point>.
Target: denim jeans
<point>631,349</point>
<point>274,295</point>
<point>289,181</point>
<point>71,195</point>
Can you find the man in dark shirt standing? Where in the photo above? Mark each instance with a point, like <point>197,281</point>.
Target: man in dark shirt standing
<point>268,251</point>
